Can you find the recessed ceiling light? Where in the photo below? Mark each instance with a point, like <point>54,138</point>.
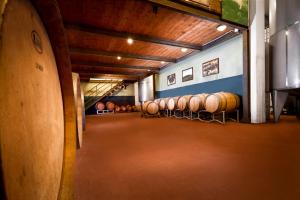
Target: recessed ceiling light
<point>130,41</point>
<point>148,70</point>
<point>119,57</point>
<point>236,30</point>
<point>183,49</point>
<point>286,32</point>
<point>221,27</point>
<point>162,62</point>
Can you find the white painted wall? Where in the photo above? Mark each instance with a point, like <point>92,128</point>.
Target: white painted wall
<point>129,91</point>
<point>136,93</point>
<point>230,54</point>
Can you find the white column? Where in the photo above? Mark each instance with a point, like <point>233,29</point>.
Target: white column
<point>257,61</point>
<point>136,93</point>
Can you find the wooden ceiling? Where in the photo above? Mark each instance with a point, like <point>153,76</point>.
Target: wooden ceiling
<point>97,32</point>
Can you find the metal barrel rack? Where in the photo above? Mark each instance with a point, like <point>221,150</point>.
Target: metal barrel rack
<point>205,116</point>
<point>102,112</point>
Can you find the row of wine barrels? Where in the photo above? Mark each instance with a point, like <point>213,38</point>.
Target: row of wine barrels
<point>150,107</point>
<point>38,148</point>
<point>213,103</point>
<point>101,106</point>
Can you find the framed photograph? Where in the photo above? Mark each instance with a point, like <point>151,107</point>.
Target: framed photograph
<point>187,74</point>
<point>211,67</point>
<point>171,79</point>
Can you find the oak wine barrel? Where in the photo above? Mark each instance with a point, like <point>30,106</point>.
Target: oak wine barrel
<point>117,108</point>
<point>183,102</point>
<point>100,106</point>
<point>163,103</point>
<point>172,103</point>
<point>110,106</point>
<point>150,107</point>
<point>138,107</point>
<point>197,102</point>
<point>123,108</point>
<point>221,101</point>
<point>78,106</point>
<point>32,140</point>
<point>129,108</point>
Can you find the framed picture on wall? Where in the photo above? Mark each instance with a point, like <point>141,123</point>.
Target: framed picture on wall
<point>187,74</point>
<point>171,79</point>
<point>210,67</point>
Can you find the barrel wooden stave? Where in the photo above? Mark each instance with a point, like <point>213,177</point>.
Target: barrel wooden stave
<point>78,106</point>
<point>150,107</point>
<point>172,103</point>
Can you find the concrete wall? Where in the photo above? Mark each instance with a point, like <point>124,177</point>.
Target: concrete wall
<point>230,54</point>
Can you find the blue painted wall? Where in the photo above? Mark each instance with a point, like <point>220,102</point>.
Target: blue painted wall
<point>232,84</point>
<point>229,78</point>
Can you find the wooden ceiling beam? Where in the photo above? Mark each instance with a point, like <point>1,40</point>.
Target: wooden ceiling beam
<point>196,12</point>
<point>100,71</point>
<point>100,64</point>
<point>85,76</point>
<point>217,41</point>
<point>122,54</point>
<point>126,35</point>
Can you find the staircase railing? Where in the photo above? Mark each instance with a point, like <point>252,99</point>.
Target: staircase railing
<point>100,91</point>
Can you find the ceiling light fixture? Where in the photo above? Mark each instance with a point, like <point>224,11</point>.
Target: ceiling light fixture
<point>104,79</point>
<point>148,70</point>
<point>236,30</point>
<point>221,27</point>
<point>130,41</point>
<point>162,62</point>
<point>119,57</point>
<point>184,50</point>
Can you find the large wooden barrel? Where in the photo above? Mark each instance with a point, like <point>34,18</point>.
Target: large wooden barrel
<point>197,102</point>
<point>32,136</point>
<point>100,106</point>
<point>183,102</point>
<point>110,105</point>
<point>78,106</point>
<point>232,101</point>
<point>172,103</point>
<point>150,107</point>
<point>221,101</point>
<point>83,109</point>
